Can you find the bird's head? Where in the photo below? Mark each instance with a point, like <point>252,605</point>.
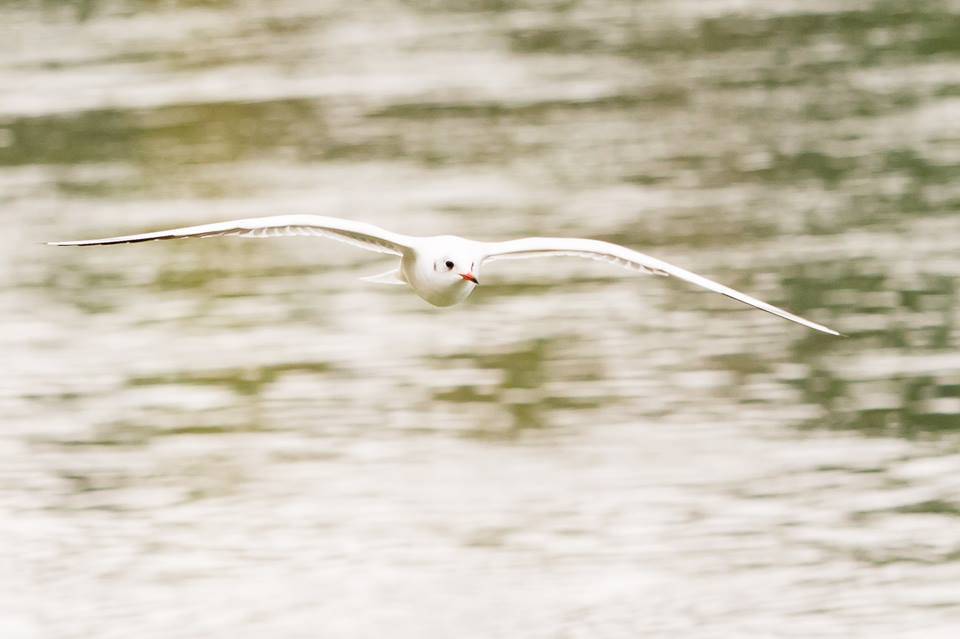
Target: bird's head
<point>444,271</point>
<point>456,270</point>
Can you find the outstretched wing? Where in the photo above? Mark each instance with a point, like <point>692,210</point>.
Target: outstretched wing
<point>628,258</point>
<point>359,234</point>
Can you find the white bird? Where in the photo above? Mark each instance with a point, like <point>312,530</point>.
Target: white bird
<point>443,269</point>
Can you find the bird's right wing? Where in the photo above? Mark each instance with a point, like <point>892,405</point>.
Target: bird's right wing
<point>361,234</point>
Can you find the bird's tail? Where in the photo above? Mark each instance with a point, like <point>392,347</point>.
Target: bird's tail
<point>393,276</point>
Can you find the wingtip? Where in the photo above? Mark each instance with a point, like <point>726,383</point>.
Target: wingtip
<point>67,243</point>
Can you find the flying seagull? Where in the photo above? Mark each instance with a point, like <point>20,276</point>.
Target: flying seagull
<point>443,269</point>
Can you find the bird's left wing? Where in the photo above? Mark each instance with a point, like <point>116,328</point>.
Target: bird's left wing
<point>628,258</point>
<point>361,234</point>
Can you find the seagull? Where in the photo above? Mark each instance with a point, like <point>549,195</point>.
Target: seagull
<point>444,269</point>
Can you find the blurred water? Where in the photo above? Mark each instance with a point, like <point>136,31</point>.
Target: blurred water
<point>230,438</point>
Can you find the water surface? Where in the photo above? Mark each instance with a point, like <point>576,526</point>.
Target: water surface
<point>236,438</point>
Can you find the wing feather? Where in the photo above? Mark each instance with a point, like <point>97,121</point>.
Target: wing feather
<point>634,260</point>
<point>358,234</point>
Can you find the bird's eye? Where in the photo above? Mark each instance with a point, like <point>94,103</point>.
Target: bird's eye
<point>449,265</point>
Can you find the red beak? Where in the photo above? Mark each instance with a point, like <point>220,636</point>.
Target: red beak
<point>470,278</point>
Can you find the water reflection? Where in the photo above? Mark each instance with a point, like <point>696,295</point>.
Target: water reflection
<point>222,437</point>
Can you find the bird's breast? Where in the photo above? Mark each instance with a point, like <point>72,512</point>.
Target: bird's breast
<point>445,295</point>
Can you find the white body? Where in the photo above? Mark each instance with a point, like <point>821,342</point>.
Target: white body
<point>418,266</point>
<point>444,269</point>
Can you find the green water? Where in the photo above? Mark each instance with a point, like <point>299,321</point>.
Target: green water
<point>237,438</point>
